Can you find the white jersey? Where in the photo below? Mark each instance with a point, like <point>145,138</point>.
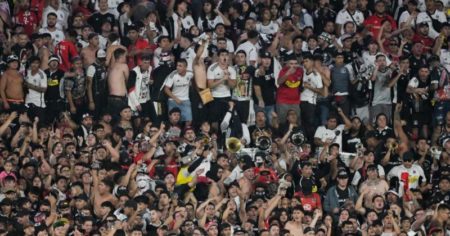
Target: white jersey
<point>445,58</point>
<point>412,175</point>
<point>344,16</point>
<point>249,49</point>
<point>315,80</point>
<point>179,84</point>
<point>211,23</point>
<point>40,80</point>
<point>214,73</point>
<point>189,56</point>
<point>271,28</point>
<point>335,135</point>
<point>57,35</point>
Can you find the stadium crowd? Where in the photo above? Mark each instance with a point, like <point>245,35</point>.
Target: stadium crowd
<point>225,117</point>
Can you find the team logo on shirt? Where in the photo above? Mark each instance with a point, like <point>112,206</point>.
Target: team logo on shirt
<point>292,84</point>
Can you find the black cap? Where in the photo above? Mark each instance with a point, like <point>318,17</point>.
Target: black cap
<point>423,23</point>
<point>413,2</point>
<point>265,54</point>
<point>342,174</point>
<point>63,204</point>
<point>133,27</point>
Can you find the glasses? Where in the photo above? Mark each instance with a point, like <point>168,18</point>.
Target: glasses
<point>408,160</point>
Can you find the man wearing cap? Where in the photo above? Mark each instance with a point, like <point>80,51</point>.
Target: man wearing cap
<point>340,194</point>
<point>408,175</point>
<point>264,82</point>
<point>432,17</point>
<point>97,86</point>
<point>54,94</point>
<point>421,35</point>
<point>88,54</point>
<point>11,85</point>
<point>36,82</point>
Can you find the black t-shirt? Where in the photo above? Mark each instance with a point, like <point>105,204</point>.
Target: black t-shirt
<point>53,92</point>
<point>268,88</point>
<point>342,195</point>
<point>97,19</point>
<point>415,64</point>
<point>402,84</point>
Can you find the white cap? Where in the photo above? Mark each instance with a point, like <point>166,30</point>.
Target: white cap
<point>101,53</point>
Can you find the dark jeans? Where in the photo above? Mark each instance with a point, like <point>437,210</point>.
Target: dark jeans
<point>217,109</point>
<point>243,110</point>
<point>308,118</point>
<point>148,111</point>
<point>35,111</point>
<point>115,105</point>
<point>54,109</point>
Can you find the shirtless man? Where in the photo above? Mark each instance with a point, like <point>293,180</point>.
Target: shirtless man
<point>295,226</point>
<point>101,192</point>
<point>88,53</point>
<point>117,80</point>
<point>376,185</point>
<point>40,50</point>
<point>11,86</point>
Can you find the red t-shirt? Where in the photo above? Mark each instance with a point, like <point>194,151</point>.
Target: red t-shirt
<point>425,40</point>
<point>140,44</point>
<point>37,6</point>
<point>27,19</point>
<point>289,91</point>
<point>310,202</point>
<point>374,22</point>
<point>66,51</point>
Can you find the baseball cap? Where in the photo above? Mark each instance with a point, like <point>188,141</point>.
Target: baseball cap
<point>342,174</point>
<point>423,23</point>
<point>346,36</point>
<point>101,53</point>
<point>265,54</point>
<point>53,58</point>
<point>86,115</point>
<point>12,58</point>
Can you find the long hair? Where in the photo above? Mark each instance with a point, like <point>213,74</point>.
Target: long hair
<point>203,15</point>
